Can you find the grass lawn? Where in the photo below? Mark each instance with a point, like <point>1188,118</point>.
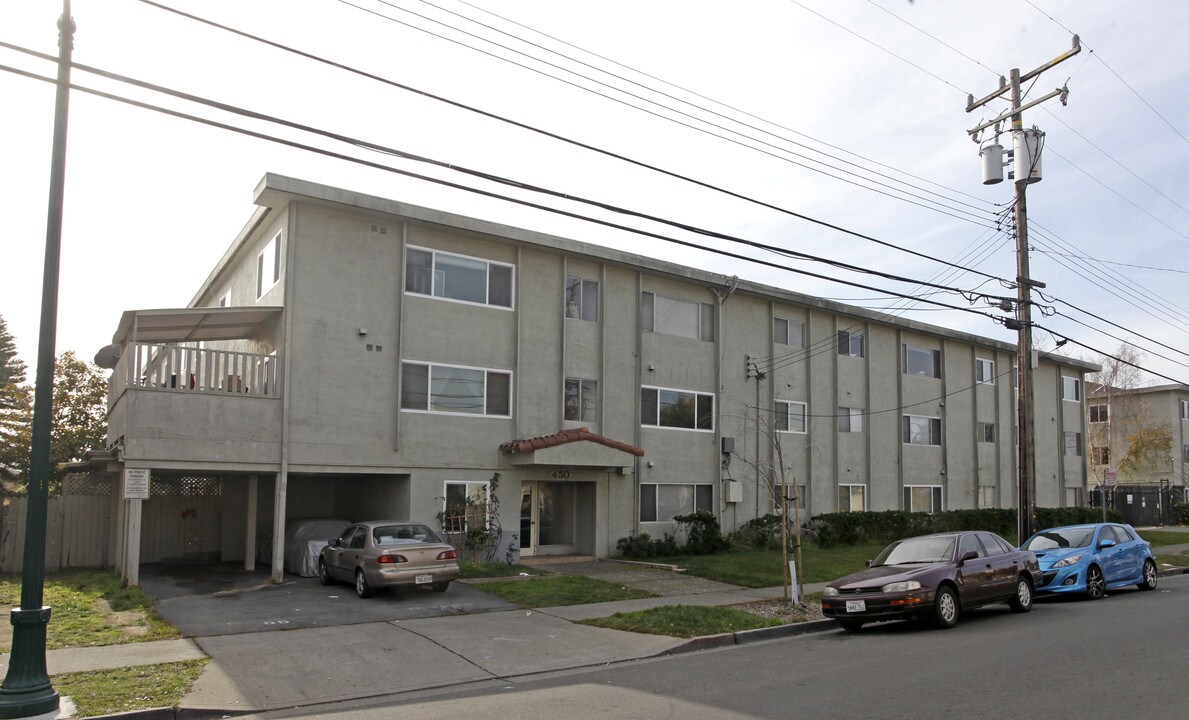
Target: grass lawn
<point>1181,560</point>
<point>684,621</point>
<point>1165,537</point>
<point>103,692</point>
<point>471,569</point>
<point>764,568</point>
<point>547,591</point>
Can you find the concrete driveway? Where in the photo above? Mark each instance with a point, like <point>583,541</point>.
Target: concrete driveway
<point>224,599</point>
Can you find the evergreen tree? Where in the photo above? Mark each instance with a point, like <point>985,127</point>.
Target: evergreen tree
<point>16,412</point>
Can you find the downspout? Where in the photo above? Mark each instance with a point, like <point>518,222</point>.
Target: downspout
<point>721,298</point>
<point>281,492</point>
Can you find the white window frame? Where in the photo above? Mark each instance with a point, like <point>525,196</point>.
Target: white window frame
<point>435,274</point>
<point>273,248</point>
<point>697,401</point>
<point>936,496</point>
<point>1104,453</point>
<point>705,312</point>
<point>1067,382</point>
<point>934,370</point>
<point>580,384</point>
<point>850,490</point>
<point>582,310</point>
<point>853,418</point>
<point>793,408</point>
<point>1185,409</point>
<point>468,486</point>
<point>982,430</point>
<point>787,332</point>
<point>706,488</point>
<point>984,371</point>
<point>854,343</point>
<point>224,299</point>
<point>429,410</point>
<point>906,429</point>
<point>988,496</point>
<point>1106,408</point>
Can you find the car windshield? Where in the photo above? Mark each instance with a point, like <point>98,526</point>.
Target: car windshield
<point>1064,538</point>
<point>403,534</point>
<point>917,550</point>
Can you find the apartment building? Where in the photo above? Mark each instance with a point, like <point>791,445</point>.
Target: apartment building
<point>354,356</point>
<point>1115,414</point>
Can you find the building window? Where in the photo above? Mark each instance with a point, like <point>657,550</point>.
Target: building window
<point>1185,456</point>
<point>1071,389</point>
<point>1100,456</point>
<point>986,496</point>
<point>984,371</point>
<point>922,361</point>
<point>661,502</point>
<point>852,498</point>
<point>582,400</point>
<point>268,266</point>
<point>225,299</point>
<point>455,390</point>
<point>1185,409</point>
<point>663,407</point>
<point>850,343</point>
<point>850,420</point>
<point>922,498</point>
<point>985,432</point>
<point>1073,443</point>
<point>788,332</point>
<point>1099,413</point>
<point>920,430</point>
<point>464,504</point>
<point>790,416</point>
<point>582,299</point>
<point>671,316</point>
<point>458,277</point>
<point>1073,497</point>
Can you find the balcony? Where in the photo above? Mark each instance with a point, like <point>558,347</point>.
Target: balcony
<point>182,369</point>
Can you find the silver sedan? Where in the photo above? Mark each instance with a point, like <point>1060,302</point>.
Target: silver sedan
<point>387,553</point>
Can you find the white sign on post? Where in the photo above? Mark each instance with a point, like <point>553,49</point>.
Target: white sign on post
<point>136,483</point>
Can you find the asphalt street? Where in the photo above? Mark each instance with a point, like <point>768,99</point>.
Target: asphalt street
<point>1124,656</point>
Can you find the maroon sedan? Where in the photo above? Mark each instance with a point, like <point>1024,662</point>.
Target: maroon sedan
<point>934,577</point>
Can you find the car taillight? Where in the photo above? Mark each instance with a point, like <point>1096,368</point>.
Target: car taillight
<point>448,555</point>
<point>390,559</point>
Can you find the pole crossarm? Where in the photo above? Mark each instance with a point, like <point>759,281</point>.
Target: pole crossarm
<point>1062,91</point>
<point>1004,86</point>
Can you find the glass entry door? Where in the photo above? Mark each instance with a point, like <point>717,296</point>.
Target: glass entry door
<point>547,519</point>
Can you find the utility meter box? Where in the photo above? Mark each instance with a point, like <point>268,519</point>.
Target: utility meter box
<point>733,491</point>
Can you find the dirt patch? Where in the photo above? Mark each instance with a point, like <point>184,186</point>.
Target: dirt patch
<point>781,610</point>
<point>131,623</point>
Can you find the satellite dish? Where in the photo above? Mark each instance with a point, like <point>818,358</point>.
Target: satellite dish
<point>108,357</point>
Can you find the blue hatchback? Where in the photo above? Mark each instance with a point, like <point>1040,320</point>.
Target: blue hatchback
<point>1091,559</point>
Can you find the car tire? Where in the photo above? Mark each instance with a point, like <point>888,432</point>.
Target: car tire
<point>1095,583</point>
<point>440,586</point>
<point>362,589</point>
<point>324,576</point>
<point>1151,577</point>
<point>850,625</point>
<point>945,608</point>
<point>1021,602</point>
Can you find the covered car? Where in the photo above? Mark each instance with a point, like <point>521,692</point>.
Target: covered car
<point>934,577</point>
<point>1093,558</point>
<point>387,553</point>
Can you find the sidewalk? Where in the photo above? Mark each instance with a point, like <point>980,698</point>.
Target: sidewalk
<point>255,672</point>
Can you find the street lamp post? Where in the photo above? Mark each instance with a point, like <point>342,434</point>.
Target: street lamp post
<point>26,691</point>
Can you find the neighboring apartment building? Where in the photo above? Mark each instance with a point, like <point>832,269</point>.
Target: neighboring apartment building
<point>1114,414</point>
<point>357,357</point>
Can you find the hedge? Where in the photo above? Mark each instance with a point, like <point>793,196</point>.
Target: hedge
<point>870,528</point>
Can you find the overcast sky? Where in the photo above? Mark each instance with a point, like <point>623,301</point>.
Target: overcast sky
<point>846,112</point>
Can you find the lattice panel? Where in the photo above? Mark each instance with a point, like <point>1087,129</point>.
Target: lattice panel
<point>87,484</point>
<point>187,485</point>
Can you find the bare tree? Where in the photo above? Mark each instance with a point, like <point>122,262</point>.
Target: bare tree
<point>1122,429</point>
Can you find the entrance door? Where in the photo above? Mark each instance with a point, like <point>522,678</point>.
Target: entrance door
<point>547,519</point>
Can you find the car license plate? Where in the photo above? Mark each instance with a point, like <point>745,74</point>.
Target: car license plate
<point>423,579</point>
<point>856,606</point>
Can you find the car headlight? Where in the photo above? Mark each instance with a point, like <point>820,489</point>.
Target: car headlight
<point>830,591</point>
<point>1066,562</point>
<point>904,586</point>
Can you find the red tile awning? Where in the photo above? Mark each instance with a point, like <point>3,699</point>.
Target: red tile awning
<point>567,436</point>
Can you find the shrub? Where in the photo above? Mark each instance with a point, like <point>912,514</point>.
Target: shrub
<point>703,533</point>
<point>643,546</point>
<point>858,528</point>
<point>1180,513</point>
<point>761,533</point>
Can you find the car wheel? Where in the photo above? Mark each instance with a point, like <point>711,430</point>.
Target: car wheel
<point>851,625</point>
<point>362,589</point>
<point>945,608</point>
<point>1151,577</point>
<point>324,573</point>
<point>1095,583</point>
<point>440,586</point>
<point>1021,602</point>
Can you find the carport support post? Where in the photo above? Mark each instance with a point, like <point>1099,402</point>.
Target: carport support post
<point>278,528</point>
<point>132,514</point>
<point>250,539</point>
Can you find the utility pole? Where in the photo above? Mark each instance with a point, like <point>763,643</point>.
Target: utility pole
<point>1027,170</point>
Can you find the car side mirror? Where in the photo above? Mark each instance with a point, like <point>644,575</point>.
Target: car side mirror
<point>868,563</point>
<point>333,542</point>
<point>1106,544</point>
<point>968,555</point>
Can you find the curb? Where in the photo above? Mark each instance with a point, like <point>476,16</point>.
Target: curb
<point>1173,571</point>
<point>169,713</point>
<point>743,637</point>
